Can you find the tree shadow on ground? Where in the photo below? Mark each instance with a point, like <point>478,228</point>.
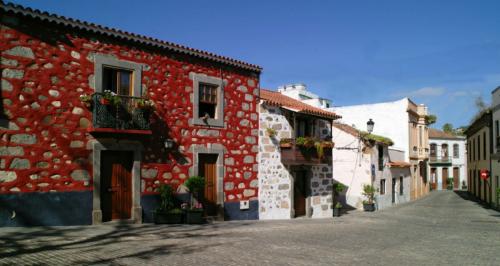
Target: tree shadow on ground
<point>89,239</point>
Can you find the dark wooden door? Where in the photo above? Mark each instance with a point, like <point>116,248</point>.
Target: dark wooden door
<point>300,193</point>
<point>456,178</point>
<point>394,190</point>
<point>207,168</point>
<point>116,185</point>
<point>444,178</point>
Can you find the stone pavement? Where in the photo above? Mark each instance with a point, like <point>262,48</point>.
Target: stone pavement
<point>445,228</point>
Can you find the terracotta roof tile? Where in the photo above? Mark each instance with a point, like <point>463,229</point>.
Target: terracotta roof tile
<point>348,129</point>
<point>277,99</point>
<point>119,34</point>
<point>399,164</point>
<point>438,134</point>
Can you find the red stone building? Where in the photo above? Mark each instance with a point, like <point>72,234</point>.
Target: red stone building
<point>67,156</point>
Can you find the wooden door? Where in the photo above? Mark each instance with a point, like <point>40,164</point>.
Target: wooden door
<point>207,168</point>
<point>444,178</point>
<point>456,178</point>
<point>300,193</point>
<point>116,185</point>
<point>394,190</point>
<point>433,179</point>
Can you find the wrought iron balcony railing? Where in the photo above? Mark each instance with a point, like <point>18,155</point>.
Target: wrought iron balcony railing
<point>127,113</point>
<point>433,159</point>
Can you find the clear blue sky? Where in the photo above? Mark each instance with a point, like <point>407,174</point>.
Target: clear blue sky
<point>441,53</point>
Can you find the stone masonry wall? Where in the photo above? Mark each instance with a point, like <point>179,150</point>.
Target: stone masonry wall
<point>275,180</point>
<point>43,135</point>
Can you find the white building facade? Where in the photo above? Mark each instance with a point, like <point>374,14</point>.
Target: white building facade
<point>447,160</point>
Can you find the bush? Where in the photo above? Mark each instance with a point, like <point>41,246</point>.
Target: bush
<point>195,184</point>
<point>166,197</point>
<point>369,193</point>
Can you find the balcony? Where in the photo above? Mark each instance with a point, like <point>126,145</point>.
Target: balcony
<point>442,160</point>
<point>306,151</point>
<point>126,114</point>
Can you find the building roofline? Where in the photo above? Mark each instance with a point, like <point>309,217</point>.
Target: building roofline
<point>15,9</point>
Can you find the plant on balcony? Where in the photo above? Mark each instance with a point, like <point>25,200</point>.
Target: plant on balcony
<point>286,143</point>
<point>271,132</point>
<point>86,99</point>
<point>372,138</point>
<point>166,213</point>
<point>146,104</point>
<point>369,193</point>
<point>307,143</point>
<point>195,185</point>
<point>110,98</point>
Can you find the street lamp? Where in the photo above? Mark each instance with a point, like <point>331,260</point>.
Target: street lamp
<point>369,126</point>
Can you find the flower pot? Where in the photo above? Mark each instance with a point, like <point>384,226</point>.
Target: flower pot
<point>336,212</point>
<point>285,145</point>
<point>369,207</point>
<point>104,101</point>
<point>167,217</point>
<point>194,217</point>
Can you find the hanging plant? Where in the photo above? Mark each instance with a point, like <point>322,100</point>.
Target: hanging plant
<point>271,132</point>
<point>86,99</point>
<point>110,98</point>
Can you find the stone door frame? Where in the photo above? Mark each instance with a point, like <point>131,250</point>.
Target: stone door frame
<point>117,145</point>
<point>291,170</point>
<point>216,149</point>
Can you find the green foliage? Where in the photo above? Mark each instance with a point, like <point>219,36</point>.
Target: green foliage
<point>195,184</point>
<point>112,97</point>
<point>338,205</point>
<point>271,132</point>
<point>431,119</point>
<point>369,193</point>
<point>339,187</point>
<point>166,198</point>
<point>448,128</point>
<point>498,192</point>
<point>286,141</point>
<point>376,138</point>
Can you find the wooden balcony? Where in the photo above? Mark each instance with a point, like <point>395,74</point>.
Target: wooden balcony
<point>294,154</point>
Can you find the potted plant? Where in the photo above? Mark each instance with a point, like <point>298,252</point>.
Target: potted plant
<point>449,181</point>
<point>195,185</point>
<point>369,193</point>
<point>166,213</point>
<point>336,209</point>
<point>86,99</point>
<point>271,132</point>
<point>110,98</point>
<point>146,104</point>
<point>286,143</point>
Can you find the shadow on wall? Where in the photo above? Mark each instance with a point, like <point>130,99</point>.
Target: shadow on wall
<point>158,152</point>
<point>4,120</point>
<point>80,242</point>
<point>341,197</point>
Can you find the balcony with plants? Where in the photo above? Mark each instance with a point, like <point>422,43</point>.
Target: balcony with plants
<point>306,150</point>
<point>119,113</point>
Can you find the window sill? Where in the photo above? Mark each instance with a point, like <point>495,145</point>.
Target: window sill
<point>208,122</point>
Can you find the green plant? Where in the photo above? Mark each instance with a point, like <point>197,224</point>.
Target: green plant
<point>271,132</point>
<point>286,141</point>
<point>339,187</point>
<point>338,205</point>
<point>498,192</point>
<point>195,184</point>
<point>111,97</point>
<point>145,104</point>
<point>376,138</point>
<point>166,198</point>
<point>369,193</point>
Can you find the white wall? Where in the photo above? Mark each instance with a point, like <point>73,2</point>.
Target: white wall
<point>459,162</point>
<point>391,120</point>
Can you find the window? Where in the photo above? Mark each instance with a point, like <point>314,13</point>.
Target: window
<point>444,151</point>
<point>304,127</point>
<point>327,105</point>
<point>208,100</point>
<point>380,157</point>
<point>456,151</point>
<point>118,81</point>
<point>433,150</point>
<point>401,186</point>
<point>382,186</point>
<point>119,76</point>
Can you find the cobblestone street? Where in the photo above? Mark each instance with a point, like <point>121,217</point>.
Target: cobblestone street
<point>443,228</point>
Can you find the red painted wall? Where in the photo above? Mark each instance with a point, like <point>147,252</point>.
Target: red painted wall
<point>40,95</point>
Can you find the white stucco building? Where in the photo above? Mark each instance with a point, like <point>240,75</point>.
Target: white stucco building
<point>405,123</point>
<point>447,159</point>
<point>358,161</point>
<point>300,92</point>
